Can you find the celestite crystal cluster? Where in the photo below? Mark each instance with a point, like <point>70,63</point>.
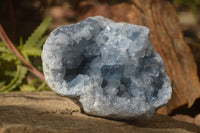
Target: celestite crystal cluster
<point>110,68</point>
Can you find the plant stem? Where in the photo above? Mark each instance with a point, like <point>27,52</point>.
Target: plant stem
<point>11,47</point>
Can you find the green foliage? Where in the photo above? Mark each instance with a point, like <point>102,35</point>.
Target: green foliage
<point>13,72</point>
<point>193,4</point>
<point>187,2</point>
<point>18,77</point>
<point>31,46</point>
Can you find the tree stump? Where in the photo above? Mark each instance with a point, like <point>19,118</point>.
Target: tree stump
<point>166,36</point>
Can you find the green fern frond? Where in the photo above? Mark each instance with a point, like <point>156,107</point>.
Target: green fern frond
<point>11,69</point>
<point>26,87</point>
<point>4,49</point>
<point>20,75</point>
<point>5,53</point>
<point>2,83</point>
<point>8,57</point>
<point>41,42</point>
<point>30,48</point>
<point>2,44</point>
<point>5,67</point>
<point>33,52</point>
<point>21,42</point>
<point>42,87</point>
<point>10,73</point>
<point>37,34</point>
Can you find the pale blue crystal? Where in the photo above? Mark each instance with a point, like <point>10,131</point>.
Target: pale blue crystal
<point>110,68</point>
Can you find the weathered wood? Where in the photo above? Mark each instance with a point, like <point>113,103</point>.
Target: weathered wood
<point>166,36</point>
<point>46,112</point>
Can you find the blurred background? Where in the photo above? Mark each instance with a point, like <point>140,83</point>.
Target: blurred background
<point>20,19</point>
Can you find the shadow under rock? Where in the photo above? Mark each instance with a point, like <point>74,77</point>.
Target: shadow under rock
<point>164,122</point>
<point>34,118</point>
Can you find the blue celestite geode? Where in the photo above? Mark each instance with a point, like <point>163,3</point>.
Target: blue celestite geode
<point>110,68</point>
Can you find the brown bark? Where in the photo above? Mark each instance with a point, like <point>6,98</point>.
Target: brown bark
<point>166,36</point>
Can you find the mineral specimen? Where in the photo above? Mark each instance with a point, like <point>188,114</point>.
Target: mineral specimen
<point>110,68</point>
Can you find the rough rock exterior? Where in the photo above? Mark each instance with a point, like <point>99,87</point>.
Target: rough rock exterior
<point>110,68</point>
<point>166,37</point>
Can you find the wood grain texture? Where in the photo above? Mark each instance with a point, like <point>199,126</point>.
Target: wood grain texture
<point>46,112</point>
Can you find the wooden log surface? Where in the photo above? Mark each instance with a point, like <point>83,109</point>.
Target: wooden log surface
<point>46,112</point>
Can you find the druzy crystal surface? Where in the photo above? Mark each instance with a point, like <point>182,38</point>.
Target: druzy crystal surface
<point>111,69</point>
